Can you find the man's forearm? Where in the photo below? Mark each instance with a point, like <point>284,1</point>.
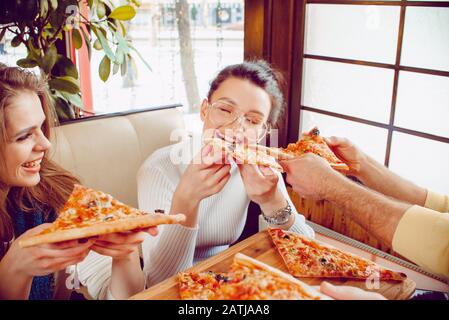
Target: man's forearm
<point>378,177</point>
<point>375,212</point>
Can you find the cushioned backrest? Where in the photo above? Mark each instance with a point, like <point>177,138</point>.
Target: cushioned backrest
<point>106,153</point>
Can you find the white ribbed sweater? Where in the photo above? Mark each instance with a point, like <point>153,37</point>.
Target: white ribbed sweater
<point>220,222</point>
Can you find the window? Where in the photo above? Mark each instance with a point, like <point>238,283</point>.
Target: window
<point>378,73</point>
<point>216,38</point>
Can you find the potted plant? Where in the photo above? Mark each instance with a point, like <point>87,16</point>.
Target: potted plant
<point>39,24</point>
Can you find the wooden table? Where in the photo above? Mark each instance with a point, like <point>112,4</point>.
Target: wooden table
<point>261,247</point>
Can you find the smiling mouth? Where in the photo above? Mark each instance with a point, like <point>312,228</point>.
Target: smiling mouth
<point>32,164</point>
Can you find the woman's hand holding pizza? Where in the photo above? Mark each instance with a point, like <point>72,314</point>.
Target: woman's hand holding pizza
<point>127,277</point>
<point>261,186</point>
<point>45,258</point>
<point>206,175</point>
<point>121,245</point>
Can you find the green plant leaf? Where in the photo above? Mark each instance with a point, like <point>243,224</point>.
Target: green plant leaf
<point>124,67</point>
<point>104,69</point>
<point>43,5</point>
<point>112,25</point>
<point>76,37</point>
<point>16,41</point>
<point>116,68</point>
<point>137,2</point>
<point>49,59</point>
<point>64,67</point>
<point>141,58</point>
<point>122,44</point>
<point>54,4</point>
<point>66,83</point>
<point>104,42</point>
<point>74,99</point>
<point>63,109</point>
<point>97,44</point>
<point>123,13</point>
<point>119,56</point>
<point>101,10</point>
<point>122,26</point>
<point>26,63</point>
<point>33,52</point>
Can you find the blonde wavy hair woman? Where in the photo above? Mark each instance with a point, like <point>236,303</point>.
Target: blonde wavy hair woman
<point>32,189</point>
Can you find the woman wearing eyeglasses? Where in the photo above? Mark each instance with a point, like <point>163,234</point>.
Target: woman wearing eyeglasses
<point>243,102</point>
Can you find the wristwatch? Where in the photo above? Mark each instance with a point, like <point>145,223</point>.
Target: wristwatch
<point>279,217</point>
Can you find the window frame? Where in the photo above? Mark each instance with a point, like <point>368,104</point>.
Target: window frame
<point>300,55</point>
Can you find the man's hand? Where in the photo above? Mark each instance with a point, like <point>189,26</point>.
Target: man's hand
<point>348,293</point>
<point>348,152</point>
<point>311,176</point>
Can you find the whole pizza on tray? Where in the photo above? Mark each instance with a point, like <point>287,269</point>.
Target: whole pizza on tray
<point>89,213</point>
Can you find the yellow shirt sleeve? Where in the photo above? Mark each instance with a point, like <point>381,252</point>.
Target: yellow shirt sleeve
<point>422,236</point>
<point>437,202</point>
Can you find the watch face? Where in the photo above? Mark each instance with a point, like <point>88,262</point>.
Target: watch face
<point>281,217</point>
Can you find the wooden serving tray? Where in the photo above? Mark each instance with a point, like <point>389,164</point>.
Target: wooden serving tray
<point>260,247</point>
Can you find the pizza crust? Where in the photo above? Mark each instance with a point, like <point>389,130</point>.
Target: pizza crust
<point>105,227</point>
<point>277,153</point>
<point>339,166</point>
<point>283,155</point>
<point>242,259</point>
<point>218,143</point>
<point>246,154</point>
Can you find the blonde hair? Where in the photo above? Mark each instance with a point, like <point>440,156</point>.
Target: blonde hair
<point>56,183</point>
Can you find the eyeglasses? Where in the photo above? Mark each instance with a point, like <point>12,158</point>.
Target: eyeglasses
<point>222,115</point>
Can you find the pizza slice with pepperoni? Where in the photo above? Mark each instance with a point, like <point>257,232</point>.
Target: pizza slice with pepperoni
<point>89,213</point>
<point>305,257</point>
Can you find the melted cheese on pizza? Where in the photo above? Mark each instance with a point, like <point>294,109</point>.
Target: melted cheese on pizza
<point>313,143</point>
<point>305,257</point>
<point>85,207</point>
<point>257,284</point>
<point>255,156</point>
<point>241,283</point>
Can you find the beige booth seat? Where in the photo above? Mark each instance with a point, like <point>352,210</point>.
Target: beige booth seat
<point>105,152</point>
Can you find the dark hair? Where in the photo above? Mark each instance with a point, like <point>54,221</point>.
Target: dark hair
<point>260,73</point>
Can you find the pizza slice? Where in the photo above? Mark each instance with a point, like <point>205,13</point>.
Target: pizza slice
<point>200,285</point>
<point>310,142</point>
<point>244,154</point>
<point>305,257</point>
<point>248,279</point>
<point>255,280</point>
<point>89,213</point>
